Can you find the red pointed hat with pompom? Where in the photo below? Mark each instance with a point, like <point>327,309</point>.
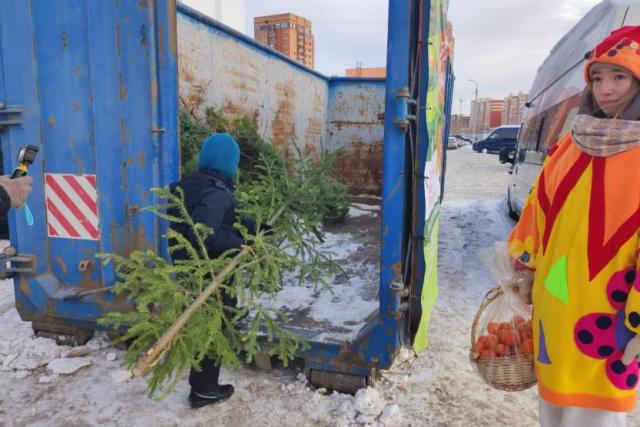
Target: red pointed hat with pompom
<point>621,47</point>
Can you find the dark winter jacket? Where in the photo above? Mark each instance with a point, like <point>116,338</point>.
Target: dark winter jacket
<point>209,200</point>
<point>5,203</point>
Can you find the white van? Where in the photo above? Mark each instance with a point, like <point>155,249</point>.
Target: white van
<point>556,94</point>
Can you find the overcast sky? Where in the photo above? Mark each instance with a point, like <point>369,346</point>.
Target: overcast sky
<point>498,43</point>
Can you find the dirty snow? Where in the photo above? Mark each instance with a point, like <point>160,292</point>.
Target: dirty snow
<point>67,366</point>
<point>362,209</point>
<point>437,388</point>
<point>337,313</point>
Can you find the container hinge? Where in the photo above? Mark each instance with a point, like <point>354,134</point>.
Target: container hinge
<point>399,294</point>
<point>9,115</point>
<point>403,101</point>
<point>13,264</point>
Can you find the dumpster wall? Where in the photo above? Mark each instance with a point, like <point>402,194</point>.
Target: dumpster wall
<point>355,125</point>
<point>221,68</point>
<point>226,70</point>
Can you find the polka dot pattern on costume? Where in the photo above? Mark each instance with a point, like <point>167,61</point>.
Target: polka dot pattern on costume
<point>630,276</point>
<point>595,335</point>
<point>634,319</point>
<point>603,322</point>
<point>605,335</point>
<point>622,376</point>
<point>605,351</point>
<point>619,286</point>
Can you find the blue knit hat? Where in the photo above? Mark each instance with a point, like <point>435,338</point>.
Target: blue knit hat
<point>220,153</point>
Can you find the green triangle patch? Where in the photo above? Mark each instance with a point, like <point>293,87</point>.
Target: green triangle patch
<point>556,281</point>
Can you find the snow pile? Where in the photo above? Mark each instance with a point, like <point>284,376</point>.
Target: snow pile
<point>68,366</point>
<point>368,407</point>
<point>361,209</point>
<point>22,354</point>
<point>20,351</point>
<point>298,387</point>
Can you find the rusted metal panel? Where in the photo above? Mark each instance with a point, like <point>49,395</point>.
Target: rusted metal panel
<point>288,102</point>
<point>355,126</point>
<point>223,69</point>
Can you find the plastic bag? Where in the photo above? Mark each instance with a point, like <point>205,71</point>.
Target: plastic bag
<point>501,334</point>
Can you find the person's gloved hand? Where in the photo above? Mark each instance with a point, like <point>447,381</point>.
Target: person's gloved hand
<point>18,189</point>
<point>632,350</point>
<point>250,225</point>
<point>266,228</point>
<point>522,284</point>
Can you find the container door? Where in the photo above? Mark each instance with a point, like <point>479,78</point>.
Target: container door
<point>419,84</point>
<point>93,85</point>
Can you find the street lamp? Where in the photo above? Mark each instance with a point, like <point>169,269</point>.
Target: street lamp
<point>475,114</point>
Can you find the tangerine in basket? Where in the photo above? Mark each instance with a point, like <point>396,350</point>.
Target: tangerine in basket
<point>506,326</point>
<point>493,327</point>
<point>517,319</point>
<point>524,326</point>
<point>508,337</point>
<point>491,341</point>
<point>526,347</point>
<point>501,350</point>
<point>525,336</point>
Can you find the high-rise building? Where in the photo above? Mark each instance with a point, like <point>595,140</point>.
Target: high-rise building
<point>460,124</point>
<point>513,109</point>
<point>229,12</point>
<point>287,33</point>
<point>486,114</point>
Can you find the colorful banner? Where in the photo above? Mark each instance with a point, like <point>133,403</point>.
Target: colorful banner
<point>440,53</point>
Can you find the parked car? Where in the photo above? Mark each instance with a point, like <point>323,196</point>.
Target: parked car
<point>467,140</point>
<point>452,143</point>
<point>501,137</point>
<point>556,94</point>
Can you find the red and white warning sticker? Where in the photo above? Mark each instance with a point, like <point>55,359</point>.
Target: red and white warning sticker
<point>72,206</point>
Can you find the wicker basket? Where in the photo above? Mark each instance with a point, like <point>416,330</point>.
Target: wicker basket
<point>509,373</point>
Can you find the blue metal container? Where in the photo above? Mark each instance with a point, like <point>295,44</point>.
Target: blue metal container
<point>94,86</point>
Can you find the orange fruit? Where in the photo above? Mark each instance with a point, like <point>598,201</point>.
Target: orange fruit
<point>506,326</point>
<point>525,336</point>
<point>508,338</point>
<point>491,341</point>
<point>493,327</point>
<point>501,350</point>
<point>526,347</point>
<point>524,327</point>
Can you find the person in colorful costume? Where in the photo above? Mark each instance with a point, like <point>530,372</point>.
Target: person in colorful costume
<point>579,233</point>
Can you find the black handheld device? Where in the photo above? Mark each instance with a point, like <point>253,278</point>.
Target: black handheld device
<point>26,156</point>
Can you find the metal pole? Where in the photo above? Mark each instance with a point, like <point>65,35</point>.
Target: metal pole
<point>475,114</point>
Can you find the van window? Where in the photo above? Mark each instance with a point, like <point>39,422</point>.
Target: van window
<point>507,133</point>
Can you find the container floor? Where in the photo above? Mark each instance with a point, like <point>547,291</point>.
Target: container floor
<point>336,313</point>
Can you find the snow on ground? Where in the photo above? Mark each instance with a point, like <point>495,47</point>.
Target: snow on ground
<point>438,388</point>
<point>338,312</point>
